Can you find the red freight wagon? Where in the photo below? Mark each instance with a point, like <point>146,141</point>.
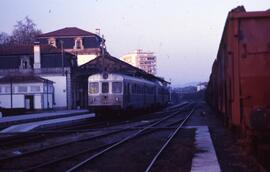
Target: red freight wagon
<point>239,85</point>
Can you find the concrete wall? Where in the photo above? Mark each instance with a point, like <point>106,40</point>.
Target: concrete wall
<point>82,59</point>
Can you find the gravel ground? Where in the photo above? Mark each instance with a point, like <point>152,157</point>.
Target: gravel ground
<point>136,155</point>
<point>230,154</point>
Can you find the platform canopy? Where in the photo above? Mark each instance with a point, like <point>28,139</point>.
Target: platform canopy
<point>110,64</point>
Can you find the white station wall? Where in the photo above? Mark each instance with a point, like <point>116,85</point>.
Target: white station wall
<point>82,59</point>
<point>59,90</point>
<point>5,101</point>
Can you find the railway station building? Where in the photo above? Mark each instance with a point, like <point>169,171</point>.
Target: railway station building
<point>64,58</point>
<point>85,45</point>
<point>44,62</point>
<point>26,92</point>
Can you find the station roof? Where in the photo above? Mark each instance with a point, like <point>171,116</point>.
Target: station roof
<point>108,63</point>
<point>23,79</point>
<point>28,50</point>
<point>67,31</point>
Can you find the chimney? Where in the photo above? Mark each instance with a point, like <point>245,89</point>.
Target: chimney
<point>98,31</point>
<point>36,55</point>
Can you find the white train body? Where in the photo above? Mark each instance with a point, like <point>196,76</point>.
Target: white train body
<point>121,92</point>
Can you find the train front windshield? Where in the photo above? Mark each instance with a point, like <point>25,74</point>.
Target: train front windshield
<point>105,87</point>
<point>93,87</point>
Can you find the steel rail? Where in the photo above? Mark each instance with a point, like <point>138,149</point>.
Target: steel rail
<point>90,150</point>
<point>168,141</point>
<point>63,144</point>
<point>85,139</point>
<point>80,164</point>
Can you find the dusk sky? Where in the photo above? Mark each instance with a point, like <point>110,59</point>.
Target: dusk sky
<point>184,35</point>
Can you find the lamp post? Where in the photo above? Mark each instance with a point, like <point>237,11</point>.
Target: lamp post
<point>47,94</point>
<point>11,92</point>
<point>170,90</point>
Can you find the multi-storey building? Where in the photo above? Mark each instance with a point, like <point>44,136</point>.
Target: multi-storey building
<point>85,45</point>
<point>143,60</point>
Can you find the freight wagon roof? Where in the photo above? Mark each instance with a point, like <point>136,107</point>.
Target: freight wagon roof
<point>240,12</point>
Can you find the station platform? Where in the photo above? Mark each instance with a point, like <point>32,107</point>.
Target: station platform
<point>40,116</point>
<point>32,125</point>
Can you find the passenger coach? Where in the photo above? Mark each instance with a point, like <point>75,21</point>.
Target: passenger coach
<point>118,92</point>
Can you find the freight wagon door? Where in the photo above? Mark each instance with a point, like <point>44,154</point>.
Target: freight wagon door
<point>254,61</point>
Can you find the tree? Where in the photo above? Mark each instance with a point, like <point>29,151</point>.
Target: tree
<point>24,32</point>
<point>4,38</point>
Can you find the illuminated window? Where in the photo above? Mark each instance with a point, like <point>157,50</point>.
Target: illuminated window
<point>93,87</point>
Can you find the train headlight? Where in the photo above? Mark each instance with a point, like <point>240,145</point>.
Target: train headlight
<point>92,100</point>
<point>117,99</point>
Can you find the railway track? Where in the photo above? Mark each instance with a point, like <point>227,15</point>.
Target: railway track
<point>140,133</point>
<point>130,132</point>
<point>8,140</point>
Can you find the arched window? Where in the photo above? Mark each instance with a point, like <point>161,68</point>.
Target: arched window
<point>78,44</point>
<point>52,42</point>
<point>25,63</point>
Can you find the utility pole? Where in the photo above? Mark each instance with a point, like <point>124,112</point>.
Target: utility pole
<point>62,54</point>
<point>47,94</point>
<point>102,51</point>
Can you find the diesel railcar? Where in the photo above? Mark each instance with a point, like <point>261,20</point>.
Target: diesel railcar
<point>239,85</point>
<point>112,92</point>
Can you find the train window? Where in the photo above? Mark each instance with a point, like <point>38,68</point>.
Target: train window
<point>117,87</point>
<point>105,87</point>
<point>93,87</point>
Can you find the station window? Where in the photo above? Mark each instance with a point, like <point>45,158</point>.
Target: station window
<point>93,87</point>
<point>6,89</point>
<point>105,87</point>
<point>78,44</point>
<point>117,87</point>
<point>22,89</point>
<point>35,88</point>
<point>25,63</point>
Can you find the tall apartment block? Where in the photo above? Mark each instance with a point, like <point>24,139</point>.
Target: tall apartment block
<point>143,60</point>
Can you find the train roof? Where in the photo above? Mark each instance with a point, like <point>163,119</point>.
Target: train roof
<point>118,77</point>
<point>110,64</point>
